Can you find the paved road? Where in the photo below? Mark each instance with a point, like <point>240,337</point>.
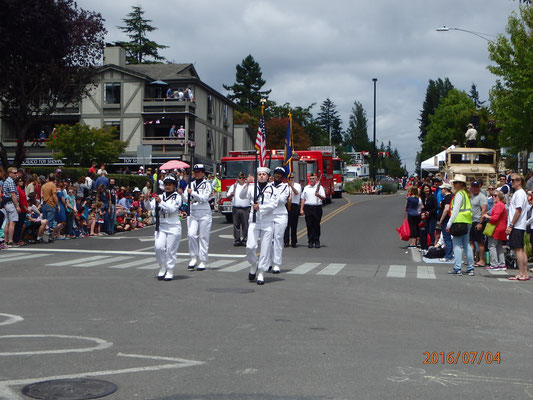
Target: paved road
<point>351,320</point>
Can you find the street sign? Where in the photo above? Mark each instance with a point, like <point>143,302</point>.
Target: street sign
<point>144,154</point>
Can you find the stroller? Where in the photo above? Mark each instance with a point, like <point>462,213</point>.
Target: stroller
<point>510,258</point>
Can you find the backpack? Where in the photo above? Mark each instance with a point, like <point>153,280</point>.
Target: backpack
<point>435,252</point>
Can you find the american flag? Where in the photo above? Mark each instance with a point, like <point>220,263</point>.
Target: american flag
<point>260,142</point>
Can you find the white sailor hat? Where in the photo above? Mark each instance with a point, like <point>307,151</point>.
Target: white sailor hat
<point>280,170</point>
<point>170,178</point>
<point>198,167</point>
<point>263,169</point>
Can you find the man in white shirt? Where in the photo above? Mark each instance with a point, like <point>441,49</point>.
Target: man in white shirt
<point>311,206</point>
<point>240,211</point>
<point>471,136</point>
<point>516,226</point>
<point>294,211</point>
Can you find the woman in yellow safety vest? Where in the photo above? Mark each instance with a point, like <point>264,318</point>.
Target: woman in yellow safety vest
<point>459,226</point>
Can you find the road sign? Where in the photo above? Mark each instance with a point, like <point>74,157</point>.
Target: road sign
<point>144,154</point>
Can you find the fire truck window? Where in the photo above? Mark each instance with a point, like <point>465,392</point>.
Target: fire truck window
<point>311,167</point>
<point>337,167</point>
<point>232,169</point>
<point>274,164</point>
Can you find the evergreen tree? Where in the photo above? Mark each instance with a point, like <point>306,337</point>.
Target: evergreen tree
<point>329,120</point>
<point>140,47</point>
<point>435,92</point>
<point>247,87</point>
<point>474,95</point>
<point>357,132</point>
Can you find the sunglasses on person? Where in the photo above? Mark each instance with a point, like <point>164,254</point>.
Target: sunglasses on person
<point>515,179</point>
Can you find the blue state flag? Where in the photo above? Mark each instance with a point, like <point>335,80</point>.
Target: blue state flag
<point>287,164</point>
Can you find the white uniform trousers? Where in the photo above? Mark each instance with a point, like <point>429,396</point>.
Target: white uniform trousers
<point>167,241</point>
<point>199,231</point>
<point>258,232</point>
<point>280,224</point>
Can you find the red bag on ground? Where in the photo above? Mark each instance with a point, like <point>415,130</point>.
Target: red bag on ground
<point>403,231</point>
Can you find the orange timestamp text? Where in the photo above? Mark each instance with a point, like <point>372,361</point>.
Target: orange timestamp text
<point>462,357</point>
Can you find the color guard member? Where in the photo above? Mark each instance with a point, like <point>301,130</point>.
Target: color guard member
<point>200,219</point>
<point>280,218</point>
<point>311,206</point>
<point>293,206</point>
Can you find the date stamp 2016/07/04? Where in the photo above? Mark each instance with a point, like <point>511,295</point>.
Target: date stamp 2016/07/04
<point>462,357</point>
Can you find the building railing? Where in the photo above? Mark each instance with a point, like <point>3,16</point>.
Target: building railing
<point>152,105</point>
<point>161,144</point>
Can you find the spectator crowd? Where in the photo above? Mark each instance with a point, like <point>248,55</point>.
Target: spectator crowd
<point>487,225</point>
<point>41,209</point>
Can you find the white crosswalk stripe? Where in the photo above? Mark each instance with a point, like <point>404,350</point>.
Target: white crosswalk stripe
<point>425,272</point>
<point>70,263</point>
<point>10,254</point>
<point>155,265</point>
<point>17,257</point>
<point>331,269</point>
<point>140,261</point>
<point>99,262</point>
<point>237,267</point>
<point>498,272</point>
<point>304,268</point>
<point>397,271</point>
<point>219,263</point>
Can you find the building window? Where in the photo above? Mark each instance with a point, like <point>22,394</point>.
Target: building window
<point>210,105</point>
<point>209,144</point>
<point>113,124</point>
<point>112,93</point>
<point>225,113</point>
<point>224,146</point>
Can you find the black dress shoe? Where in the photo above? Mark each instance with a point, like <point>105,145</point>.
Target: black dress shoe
<point>317,245</point>
<point>237,244</point>
<point>260,282</point>
<point>191,267</point>
<point>251,277</point>
<point>310,245</point>
<point>293,245</point>
<point>285,244</point>
<point>161,277</point>
<point>167,279</point>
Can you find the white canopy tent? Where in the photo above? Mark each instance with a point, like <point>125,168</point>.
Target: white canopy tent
<point>432,164</point>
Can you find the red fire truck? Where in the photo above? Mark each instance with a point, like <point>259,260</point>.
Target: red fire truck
<point>244,161</point>
<point>321,163</point>
<point>338,176</point>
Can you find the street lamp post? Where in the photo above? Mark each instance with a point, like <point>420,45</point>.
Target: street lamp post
<point>478,34</point>
<point>374,152</point>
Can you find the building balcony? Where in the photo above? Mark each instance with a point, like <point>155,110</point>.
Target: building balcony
<point>161,105</point>
<point>164,145</point>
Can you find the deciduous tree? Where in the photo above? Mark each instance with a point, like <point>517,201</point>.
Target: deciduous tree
<point>49,49</point>
<point>81,144</point>
<point>512,96</point>
<point>276,129</point>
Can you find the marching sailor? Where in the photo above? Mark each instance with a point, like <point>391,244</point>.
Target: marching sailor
<point>262,227</point>
<point>240,210</point>
<point>294,211</point>
<point>167,227</point>
<point>280,218</point>
<point>200,219</point>
<point>311,206</point>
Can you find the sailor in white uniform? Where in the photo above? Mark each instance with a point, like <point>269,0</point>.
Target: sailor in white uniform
<point>280,218</point>
<point>200,219</point>
<point>168,226</point>
<point>261,222</point>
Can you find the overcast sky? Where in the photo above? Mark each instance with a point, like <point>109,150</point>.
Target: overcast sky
<point>309,50</point>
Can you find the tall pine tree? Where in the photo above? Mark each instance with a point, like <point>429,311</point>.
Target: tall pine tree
<point>474,95</point>
<point>435,92</point>
<point>247,87</point>
<point>140,47</point>
<point>357,132</point>
<point>330,122</point>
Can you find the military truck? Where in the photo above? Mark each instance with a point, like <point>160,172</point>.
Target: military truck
<point>475,163</point>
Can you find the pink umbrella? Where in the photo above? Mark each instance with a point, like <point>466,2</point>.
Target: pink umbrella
<point>174,164</point>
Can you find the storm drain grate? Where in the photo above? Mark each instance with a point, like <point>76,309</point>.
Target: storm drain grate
<point>69,389</point>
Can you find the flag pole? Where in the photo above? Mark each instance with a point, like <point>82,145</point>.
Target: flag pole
<point>254,214</point>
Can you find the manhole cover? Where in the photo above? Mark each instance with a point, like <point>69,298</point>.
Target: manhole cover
<point>69,389</point>
<point>230,290</point>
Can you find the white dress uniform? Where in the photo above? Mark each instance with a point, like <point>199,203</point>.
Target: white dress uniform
<point>281,219</point>
<point>199,223</point>
<point>262,229</point>
<point>168,233</point>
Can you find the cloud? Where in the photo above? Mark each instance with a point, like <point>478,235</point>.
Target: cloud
<point>311,50</point>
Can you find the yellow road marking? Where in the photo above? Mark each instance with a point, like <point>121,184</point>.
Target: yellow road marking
<point>303,232</point>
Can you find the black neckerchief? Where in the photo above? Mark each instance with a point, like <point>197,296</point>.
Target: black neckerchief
<point>261,186</point>
<point>277,183</point>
